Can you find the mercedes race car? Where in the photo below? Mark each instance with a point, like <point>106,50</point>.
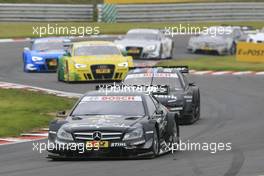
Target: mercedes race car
<point>131,124</point>
<point>43,55</point>
<point>218,39</point>
<point>182,96</point>
<point>146,44</point>
<point>93,61</point>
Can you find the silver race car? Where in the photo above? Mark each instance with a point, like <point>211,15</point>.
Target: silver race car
<point>146,44</point>
<point>219,39</point>
<point>256,38</point>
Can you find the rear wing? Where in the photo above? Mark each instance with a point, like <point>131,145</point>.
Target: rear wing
<point>182,69</point>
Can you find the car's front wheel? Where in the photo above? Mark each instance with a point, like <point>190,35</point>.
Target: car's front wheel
<point>155,144</point>
<point>233,49</point>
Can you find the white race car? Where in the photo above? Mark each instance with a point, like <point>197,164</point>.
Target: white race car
<point>219,39</point>
<point>256,38</point>
<point>146,44</point>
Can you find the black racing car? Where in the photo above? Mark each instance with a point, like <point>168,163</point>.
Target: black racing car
<point>182,96</point>
<point>114,125</point>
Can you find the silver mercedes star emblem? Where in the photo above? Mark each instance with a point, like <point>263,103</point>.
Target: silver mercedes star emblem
<point>97,135</point>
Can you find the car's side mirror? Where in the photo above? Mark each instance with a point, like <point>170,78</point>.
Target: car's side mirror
<point>26,49</point>
<point>67,54</point>
<point>61,114</point>
<point>191,84</point>
<point>159,112</point>
<point>124,52</point>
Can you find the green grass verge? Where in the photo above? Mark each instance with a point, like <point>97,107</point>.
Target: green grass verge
<point>21,111</point>
<point>25,29</point>
<point>215,63</point>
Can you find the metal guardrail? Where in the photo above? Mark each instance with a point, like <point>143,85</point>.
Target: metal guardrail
<point>189,12</point>
<point>45,12</point>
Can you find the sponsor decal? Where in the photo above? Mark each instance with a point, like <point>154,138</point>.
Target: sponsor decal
<point>156,75</point>
<point>250,52</point>
<point>111,98</point>
<point>166,97</point>
<point>118,144</point>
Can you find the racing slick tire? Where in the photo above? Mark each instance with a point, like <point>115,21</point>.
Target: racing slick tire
<point>198,106</point>
<point>172,134</point>
<point>155,144</point>
<point>171,52</point>
<point>195,114</point>
<point>161,52</point>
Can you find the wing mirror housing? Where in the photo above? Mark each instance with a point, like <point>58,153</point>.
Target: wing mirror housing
<point>124,52</point>
<point>192,84</point>
<point>61,114</point>
<point>159,112</point>
<point>67,54</point>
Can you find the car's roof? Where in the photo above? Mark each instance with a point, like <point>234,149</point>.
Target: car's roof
<point>144,31</point>
<point>50,39</point>
<point>153,70</point>
<point>95,43</point>
<point>109,93</point>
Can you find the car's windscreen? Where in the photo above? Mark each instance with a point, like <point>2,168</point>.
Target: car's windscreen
<point>140,36</point>
<point>110,105</point>
<point>169,79</point>
<point>96,50</point>
<point>43,46</point>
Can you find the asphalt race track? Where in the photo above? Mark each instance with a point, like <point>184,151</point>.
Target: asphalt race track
<point>232,111</point>
<point>11,68</point>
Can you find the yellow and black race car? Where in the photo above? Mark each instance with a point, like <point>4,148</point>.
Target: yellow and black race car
<point>92,61</point>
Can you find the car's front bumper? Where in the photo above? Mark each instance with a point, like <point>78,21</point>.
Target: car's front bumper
<point>43,66</point>
<point>88,75</point>
<point>140,148</point>
<point>143,53</point>
<point>218,49</point>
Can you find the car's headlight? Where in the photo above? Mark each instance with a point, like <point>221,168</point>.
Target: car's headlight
<point>123,64</point>
<point>80,65</point>
<point>36,58</point>
<point>62,134</point>
<point>151,48</point>
<point>135,134</point>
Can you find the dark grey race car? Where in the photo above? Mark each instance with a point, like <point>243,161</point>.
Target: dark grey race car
<point>114,125</point>
<point>182,96</point>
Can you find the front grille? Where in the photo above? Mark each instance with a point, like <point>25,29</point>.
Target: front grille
<point>103,76</point>
<point>104,136</point>
<point>51,64</point>
<point>134,55</point>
